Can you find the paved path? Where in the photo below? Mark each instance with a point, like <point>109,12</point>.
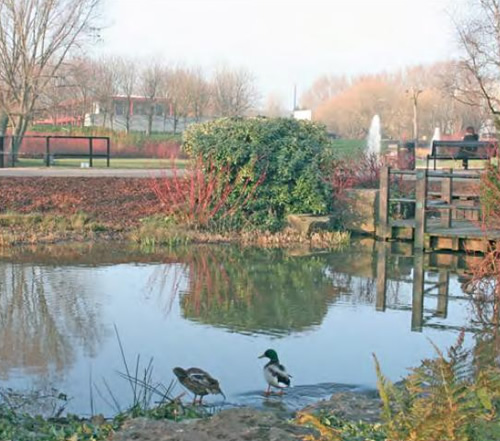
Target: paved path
<point>84,172</point>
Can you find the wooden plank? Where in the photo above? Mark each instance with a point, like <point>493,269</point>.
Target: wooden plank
<point>384,230</point>
<point>446,197</point>
<point>417,308</point>
<point>382,250</point>
<point>402,233</point>
<point>420,207</point>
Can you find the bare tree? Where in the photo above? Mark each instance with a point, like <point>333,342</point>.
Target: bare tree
<point>188,94</point>
<point>83,80</point>
<point>55,97</point>
<point>36,36</point>
<point>106,88</point>
<point>179,94</point>
<point>479,70</point>
<point>323,89</point>
<point>234,91</point>
<point>152,87</point>
<point>127,77</point>
<point>199,90</point>
<point>275,106</point>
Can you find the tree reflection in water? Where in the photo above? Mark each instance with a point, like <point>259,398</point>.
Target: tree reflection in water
<point>249,290</point>
<point>483,286</point>
<point>43,312</point>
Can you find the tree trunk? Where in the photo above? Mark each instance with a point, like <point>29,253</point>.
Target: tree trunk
<point>128,115</point>
<point>150,124</point>
<point>175,121</point>
<point>17,137</point>
<point>4,122</point>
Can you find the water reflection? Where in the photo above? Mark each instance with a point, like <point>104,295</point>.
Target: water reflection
<point>429,275</point>
<point>255,291</point>
<point>218,306</point>
<point>249,290</point>
<point>42,311</point>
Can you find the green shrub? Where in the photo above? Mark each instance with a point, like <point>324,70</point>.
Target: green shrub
<point>285,153</point>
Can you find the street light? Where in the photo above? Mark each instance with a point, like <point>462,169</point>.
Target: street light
<point>414,94</point>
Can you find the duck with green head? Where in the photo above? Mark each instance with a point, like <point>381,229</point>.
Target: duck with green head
<point>274,372</point>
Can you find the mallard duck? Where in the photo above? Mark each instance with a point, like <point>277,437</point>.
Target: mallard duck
<point>198,381</point>
<point>274,372</point>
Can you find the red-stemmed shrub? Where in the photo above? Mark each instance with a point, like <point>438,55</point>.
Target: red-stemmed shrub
<point>357,172</point>
<point>203,194</point>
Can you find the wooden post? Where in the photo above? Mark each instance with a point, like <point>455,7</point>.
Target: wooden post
<point>2,159</point>
<point>382,250</point>
<point>420,209</point>
<point>383,212</point>
<point>417,307</point>
<point>108,151</point>
<point>91,151</point>
<point>443,290</point>
<point>47,151</point>
<point>446,197</point>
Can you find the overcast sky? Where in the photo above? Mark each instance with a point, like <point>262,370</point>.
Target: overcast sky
<point>282,42</point>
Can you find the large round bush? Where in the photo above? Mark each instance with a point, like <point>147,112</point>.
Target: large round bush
<point>284,153</point>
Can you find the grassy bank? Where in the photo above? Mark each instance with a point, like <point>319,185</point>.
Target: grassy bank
<point>45,228</point>
<point>33,228</point>
<point>49,210</point>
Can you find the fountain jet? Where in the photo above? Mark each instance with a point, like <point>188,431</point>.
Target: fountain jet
<point>374,136</point>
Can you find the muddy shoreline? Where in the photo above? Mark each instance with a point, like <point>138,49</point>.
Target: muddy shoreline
<point>244,424</point>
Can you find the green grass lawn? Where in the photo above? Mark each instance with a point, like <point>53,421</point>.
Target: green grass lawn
<point>128,163</point>
<point>346,147</point>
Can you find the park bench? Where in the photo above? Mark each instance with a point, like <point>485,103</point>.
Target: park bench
<point>462,150</point>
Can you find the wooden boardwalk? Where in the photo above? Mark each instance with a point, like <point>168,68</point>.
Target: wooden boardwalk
<point>462,235</point>
<point>442,219</point>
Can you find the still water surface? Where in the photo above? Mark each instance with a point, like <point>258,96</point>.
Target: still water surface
<point>219,308</point>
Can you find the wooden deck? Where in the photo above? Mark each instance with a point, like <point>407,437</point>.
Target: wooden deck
<point>444,218</point>
<point>462,235</point>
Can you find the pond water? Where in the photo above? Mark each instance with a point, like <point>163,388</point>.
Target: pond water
<point>219,308</point>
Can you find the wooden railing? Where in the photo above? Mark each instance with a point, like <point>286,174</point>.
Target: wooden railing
<point>425,199</point>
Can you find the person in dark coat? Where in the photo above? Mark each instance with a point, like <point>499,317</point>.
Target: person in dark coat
<point>470,135</point>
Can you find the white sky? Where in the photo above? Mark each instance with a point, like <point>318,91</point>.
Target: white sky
<point>282,42</point>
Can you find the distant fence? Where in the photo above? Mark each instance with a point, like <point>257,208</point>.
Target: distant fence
<point>50,147</point>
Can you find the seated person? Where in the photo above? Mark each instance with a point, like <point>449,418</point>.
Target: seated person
<point>470,135</point>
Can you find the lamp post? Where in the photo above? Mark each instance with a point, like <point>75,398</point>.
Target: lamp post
<point>414,93</point>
